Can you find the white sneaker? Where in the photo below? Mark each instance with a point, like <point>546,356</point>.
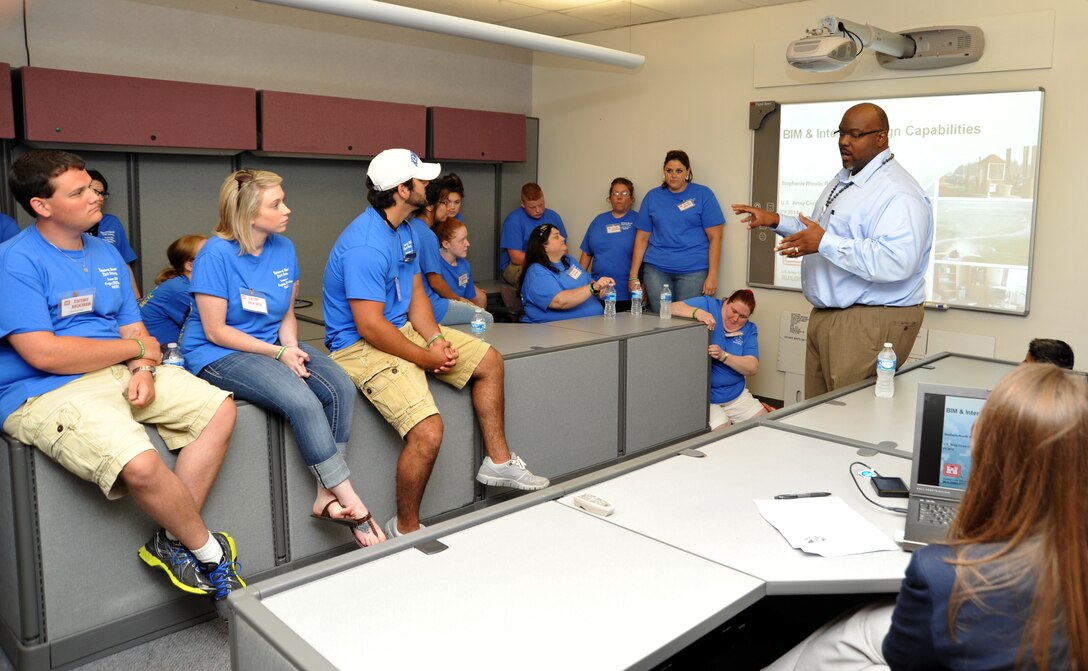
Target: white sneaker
<point>511,474</point>
<point>391,530</point>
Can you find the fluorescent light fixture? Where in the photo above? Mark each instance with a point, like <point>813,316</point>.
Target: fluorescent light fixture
<point>407,17</point>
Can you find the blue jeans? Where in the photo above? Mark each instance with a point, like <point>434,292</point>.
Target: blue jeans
<point>683,285</point>
<point>460,312</point>
<point>318,408</point>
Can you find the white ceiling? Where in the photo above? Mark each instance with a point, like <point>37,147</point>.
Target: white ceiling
<point>563,18</point>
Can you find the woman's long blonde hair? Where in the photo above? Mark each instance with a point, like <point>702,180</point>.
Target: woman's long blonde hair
<point>1027,502</point>
<point>239,202</point>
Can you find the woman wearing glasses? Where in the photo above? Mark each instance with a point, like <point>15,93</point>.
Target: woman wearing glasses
<point>734,350</point>
<point>679,239</point>
<point>610,239</point>
<point>110,227</point>
<point>553,285</point>
<point>242,336</point>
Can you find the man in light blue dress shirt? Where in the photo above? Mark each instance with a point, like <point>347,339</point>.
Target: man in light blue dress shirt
<point>866,250</point>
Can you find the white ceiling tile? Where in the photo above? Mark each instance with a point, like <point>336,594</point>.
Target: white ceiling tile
<point>618,14</point>
<point>554,23</point>
<point>490,11</point>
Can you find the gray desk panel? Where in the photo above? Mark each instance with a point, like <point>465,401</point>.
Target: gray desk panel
<point>623,325</point>
<point>705,506</point>
<point>408,610</point>
<point>862,416</point>
<point>513,340</point>
<point>667,386</point>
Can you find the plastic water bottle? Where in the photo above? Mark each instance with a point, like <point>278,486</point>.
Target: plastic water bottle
<point>173,357</point>
<point>666,302</point>
<point>636,300</point>
<point>885,372</point>
<point>610,302</point>
<point>478,324</point>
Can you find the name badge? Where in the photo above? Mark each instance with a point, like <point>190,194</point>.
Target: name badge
<point>612,228</point>
<point>254,301</point>
<point>575,272</point>
<point>77,302</point>
<point>462,280</point>
<point>686,205</point>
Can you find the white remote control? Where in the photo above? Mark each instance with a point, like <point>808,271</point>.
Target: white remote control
<point>594,504</point>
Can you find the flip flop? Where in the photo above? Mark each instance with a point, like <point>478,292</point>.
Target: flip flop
<point>360,523</point>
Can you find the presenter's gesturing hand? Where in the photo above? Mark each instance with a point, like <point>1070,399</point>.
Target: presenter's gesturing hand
<point>805,241</point>
<point>756,218</point>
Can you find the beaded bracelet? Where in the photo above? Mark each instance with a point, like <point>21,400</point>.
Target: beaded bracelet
<point>280,353</point>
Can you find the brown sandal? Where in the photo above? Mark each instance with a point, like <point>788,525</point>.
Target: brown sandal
<point>360,523</point>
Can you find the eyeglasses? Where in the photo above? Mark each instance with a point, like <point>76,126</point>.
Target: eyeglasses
<point>104,195</point>
<point>620,194</point>
<point>854,135</point>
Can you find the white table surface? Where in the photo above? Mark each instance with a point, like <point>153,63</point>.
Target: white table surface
<point>549,587</point>
<point>861,416</point>
<point>705,506</point>
<point>623,325</point>
<point>513,339</point>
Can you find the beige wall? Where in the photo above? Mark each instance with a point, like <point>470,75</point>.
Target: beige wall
<point>693,93</point>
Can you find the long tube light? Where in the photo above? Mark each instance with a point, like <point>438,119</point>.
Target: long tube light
<point>408,17</point>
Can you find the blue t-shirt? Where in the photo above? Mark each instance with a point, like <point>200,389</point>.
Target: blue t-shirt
<point>725,383</point>
<point>676,223</point>
<point>426,243</point>
<point>459,277</point>
<point>610,242</point>
<point>540,286</point>
<point>112,231</point>
<point>219,271</point>
<point>46,289</point>
<point>164,309</point>
<point>372,262</point>
<point>518,226</point>
<point>8,228</point>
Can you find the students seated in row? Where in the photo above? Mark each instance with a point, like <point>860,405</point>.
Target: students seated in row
<point>518,226</point>
<point>456,271</point>
<point>165,307</point>
<point>379,326</point>
<point>110,227</point>
<point>1046,350</point>
<point>610,240</point>
<point>734,352</point>
<point>1007,588</point>
<point>78,376</point>
<point>554,286</point>
<point>242,336</point>
<point>8,227</point>
<point>449,307</point>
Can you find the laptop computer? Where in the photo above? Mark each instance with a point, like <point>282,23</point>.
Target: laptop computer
<point>942,459</point>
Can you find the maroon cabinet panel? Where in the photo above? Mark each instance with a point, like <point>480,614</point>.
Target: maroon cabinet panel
<point>474,135</point>
<point>296,123</point>
<point>85,108</point>
<point>7,106</point>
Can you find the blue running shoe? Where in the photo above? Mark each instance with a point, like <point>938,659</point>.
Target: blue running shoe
<point>178,562</point>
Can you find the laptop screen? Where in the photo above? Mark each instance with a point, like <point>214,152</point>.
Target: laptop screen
<point>942,450</point>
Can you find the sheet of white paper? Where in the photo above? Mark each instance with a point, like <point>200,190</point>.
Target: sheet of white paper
<point>825,526</point>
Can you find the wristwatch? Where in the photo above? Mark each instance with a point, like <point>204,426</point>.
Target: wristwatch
<point>149,369</point>
<point>726,357</point>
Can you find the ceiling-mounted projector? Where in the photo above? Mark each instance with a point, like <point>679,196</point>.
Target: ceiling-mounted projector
<point>835,43</point>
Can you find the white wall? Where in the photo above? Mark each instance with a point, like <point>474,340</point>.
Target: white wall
<point>693,93</point>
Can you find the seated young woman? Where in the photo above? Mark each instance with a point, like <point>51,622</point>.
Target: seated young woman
<point>553,285</point>
<point>1007,589</point>
<point>453,243</point>
<point>734,349</point>
<point>242,336</point>
<point>165,307</point>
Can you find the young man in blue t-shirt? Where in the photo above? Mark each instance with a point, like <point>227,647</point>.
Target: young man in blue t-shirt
<point>518,226</point>
<point>76,355</point>
<point>379,326</point>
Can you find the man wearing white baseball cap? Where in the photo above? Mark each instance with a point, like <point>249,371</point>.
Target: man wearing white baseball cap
<point>380,328</point>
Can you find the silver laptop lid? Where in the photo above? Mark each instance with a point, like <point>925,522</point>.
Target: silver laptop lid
<point>942,439</point>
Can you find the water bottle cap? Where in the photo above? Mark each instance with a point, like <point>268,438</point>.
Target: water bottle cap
<point>888,345</point>
<point>173,344</point>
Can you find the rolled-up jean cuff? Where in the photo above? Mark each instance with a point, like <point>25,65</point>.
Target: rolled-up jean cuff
<point>332,471</point>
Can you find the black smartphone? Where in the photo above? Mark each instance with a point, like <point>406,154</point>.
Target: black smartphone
<point>893,487</point>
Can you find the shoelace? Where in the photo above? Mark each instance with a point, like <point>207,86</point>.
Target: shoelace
<point>221,577</point>
<point>518,461</point>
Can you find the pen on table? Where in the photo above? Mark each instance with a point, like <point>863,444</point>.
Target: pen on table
<point>805,495</point>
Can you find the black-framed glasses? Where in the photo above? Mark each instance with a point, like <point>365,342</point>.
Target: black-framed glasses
<point>104,195</point>
<point>855,135</point>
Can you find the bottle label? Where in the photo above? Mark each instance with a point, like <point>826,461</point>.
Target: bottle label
<point>885,364</point>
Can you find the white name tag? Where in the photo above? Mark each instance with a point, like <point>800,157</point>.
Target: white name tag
<point>612,228</point>
<point>462,280</point>
<point>254,302</point>
<point>686,205</point>
<point>575,272</point>
<point>80,302</point>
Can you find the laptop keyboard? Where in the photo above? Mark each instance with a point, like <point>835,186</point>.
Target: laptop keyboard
<point>933,512</point>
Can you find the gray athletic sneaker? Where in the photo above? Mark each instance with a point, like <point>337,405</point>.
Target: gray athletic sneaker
<point>391,530</point>
<point>511,474</point>
<point>178,562</point>
<point>224,577</point>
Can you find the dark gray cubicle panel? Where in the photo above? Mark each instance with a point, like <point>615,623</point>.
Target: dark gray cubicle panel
<point>81,589</point>
<point>667,387</point>
<point>562,409</point>
<point>372,455</point>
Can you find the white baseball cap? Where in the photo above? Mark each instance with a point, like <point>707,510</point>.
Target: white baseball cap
<point>397,166</point>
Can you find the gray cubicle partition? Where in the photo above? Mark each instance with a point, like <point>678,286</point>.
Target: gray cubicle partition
<point>372,455</point>
<point>69,597</point>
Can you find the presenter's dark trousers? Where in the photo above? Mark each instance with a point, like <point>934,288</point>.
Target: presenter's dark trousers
<point>843,343</point>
